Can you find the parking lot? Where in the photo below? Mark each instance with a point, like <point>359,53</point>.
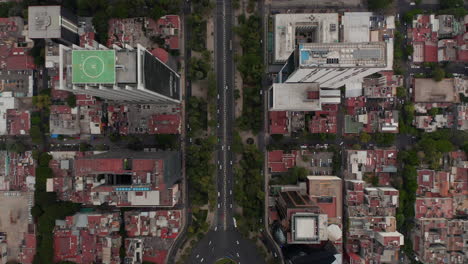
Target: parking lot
<point>14,218</point>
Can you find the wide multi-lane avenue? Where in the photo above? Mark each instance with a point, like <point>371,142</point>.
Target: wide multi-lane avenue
<point>223,240</point>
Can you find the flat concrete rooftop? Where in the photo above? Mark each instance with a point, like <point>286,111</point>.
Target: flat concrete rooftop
<point>369,54</point>
<point>294,96</point>
<point>292,29</point>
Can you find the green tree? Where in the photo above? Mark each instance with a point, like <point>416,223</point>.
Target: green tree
<point>356,147</point>
<point>384,139</point>
<point>445,4</point>
<point>44,159</point>
<point>401,92</point>
<point>433,111</point>
<point>42,101</point>
<point>375,5</point>
<point>84,146</point>
<point>298,173</point>
<point>438,74</point>
<point>71,100</point>
<point>364,137</point>
<point>17,147</point>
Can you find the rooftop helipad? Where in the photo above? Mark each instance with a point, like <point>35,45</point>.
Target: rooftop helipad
<point>93,66</point>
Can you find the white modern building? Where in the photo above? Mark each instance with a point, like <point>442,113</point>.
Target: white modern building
<point>308,228</point>
<point>333,65</point>
<point>120,74</point>
<point>53,22</point>
<point>300,97</point>
<point>294,29</point>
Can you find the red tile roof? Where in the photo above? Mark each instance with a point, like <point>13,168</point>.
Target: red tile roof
<point>161,54</point>
<point>281,162</point>
<point>28,250</point>
<point>60,109</point>
<point>173,42</point>
<point>278,122</point>
<point>324,121</point>
<point>430,52</point>
<point>85,99</point>
<point>158,257</point>
<point>434,207</point>
<point>169,22</point>
<point>462,55</point>
<point>172,20</point>
<point>18,122</point>
<point>20,62</point>
<point>164,124</point>
<point>87,38</point>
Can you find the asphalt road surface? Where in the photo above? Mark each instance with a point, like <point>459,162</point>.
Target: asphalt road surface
<point>223,239</point>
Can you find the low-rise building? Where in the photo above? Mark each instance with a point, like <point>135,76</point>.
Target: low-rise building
<point>375,161</point>
<point>17,171</point>
<point>432,123</point>
<point>144,118</point>
<point>315,162</point>
<point>383,86</point>
<point>150,235</point>
<point>123,179</point>
<point>279,122</point>
<point>88,238</point>
<point>372,231</point>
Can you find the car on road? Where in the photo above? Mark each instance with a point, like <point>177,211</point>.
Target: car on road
<point>230,192</point>
<point>219,206</point>
<point>219,194</point>
<point>231,206</point>
<point>237,241</point>
<point>231,162</point>
<point>226,87</point>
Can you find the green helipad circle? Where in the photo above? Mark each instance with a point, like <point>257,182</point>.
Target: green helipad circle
<point>93,67</point>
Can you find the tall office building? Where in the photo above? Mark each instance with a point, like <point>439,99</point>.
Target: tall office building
<point>120,74</point>
<point>53,22</point>
<point>333,65</point>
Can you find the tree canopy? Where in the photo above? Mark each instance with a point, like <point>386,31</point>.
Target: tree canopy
<point>377,5</point>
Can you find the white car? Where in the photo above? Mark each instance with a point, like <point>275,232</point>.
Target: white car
<point>219,194</point>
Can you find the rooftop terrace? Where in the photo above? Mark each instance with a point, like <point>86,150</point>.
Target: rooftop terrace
<point>343,55</point>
